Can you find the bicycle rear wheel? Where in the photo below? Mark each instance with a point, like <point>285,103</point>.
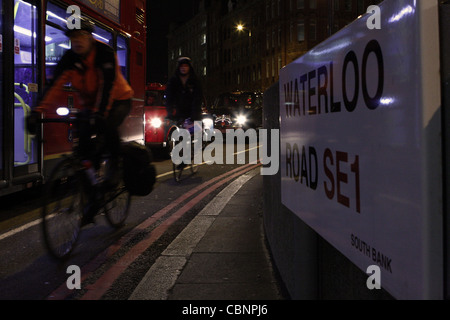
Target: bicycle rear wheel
<point>117,202</point>
<point>117,206</point>
<point>64,202</point>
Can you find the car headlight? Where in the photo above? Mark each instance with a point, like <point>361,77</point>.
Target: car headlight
<point>241,120</point>
<point>156,122</point>
<point>207,122</point>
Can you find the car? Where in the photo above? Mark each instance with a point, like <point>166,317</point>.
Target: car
<point>157,128</point>
<point>237,110</point>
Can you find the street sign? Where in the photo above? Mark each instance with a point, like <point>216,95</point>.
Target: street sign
<point>361,145</point>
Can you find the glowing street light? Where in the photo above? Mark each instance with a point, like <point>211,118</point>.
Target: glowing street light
<point>240,27</point>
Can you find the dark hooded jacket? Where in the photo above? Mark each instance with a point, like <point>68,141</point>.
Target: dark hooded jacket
<point>184,101</point>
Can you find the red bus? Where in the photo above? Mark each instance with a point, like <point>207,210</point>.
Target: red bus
<point>32,40</point>
<point>156,135</point>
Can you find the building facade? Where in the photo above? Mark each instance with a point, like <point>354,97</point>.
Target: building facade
<point>240,45</point>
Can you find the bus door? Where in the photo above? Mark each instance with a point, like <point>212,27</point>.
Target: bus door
<point>25,93</point>
<point>131,64</point>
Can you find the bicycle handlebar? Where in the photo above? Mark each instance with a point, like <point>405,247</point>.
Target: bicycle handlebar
<point>58,120</point>
<point>34,119</point>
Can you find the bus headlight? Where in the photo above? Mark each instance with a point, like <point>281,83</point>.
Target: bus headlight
<point>156,122</point>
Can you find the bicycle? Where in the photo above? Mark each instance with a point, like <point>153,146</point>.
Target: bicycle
<point>193,168</point>
<point>75,193</point>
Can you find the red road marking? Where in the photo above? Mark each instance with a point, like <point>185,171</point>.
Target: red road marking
<point>99,288</point>
<point>96,290</point>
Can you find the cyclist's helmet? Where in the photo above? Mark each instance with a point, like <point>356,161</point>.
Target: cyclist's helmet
<point>85,24</point>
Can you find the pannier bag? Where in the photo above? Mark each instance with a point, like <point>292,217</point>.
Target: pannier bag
<point>139,172</point>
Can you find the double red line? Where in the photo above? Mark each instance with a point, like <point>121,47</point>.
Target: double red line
<point>96,290</point>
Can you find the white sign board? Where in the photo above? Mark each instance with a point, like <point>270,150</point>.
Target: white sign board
<point>361,146</point>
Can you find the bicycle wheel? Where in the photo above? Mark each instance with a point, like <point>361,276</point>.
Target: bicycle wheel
<point>196,153</point>
<point>193,168</point>
<point>177,169</point>
<point>117,203</point>
<point>63,208</point>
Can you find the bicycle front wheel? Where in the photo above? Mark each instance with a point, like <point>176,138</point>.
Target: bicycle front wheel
<point>63,208</point>
<point>195,153</point>
<point>177,171</point>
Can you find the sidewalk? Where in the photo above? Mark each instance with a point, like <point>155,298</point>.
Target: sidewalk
<point>220,255</point>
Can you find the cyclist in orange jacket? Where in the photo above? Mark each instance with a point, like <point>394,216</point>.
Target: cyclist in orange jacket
<point>92,69</point>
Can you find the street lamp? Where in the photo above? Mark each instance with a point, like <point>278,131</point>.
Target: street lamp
<point>240,27</point>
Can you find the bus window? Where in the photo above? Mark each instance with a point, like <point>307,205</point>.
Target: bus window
<point>25,79</point>
<point>54,49</point>
<point>103,35</point>
<point>56,15</point>
<point>154,98</point>
<point>56,41</point>
<point>122,55</point>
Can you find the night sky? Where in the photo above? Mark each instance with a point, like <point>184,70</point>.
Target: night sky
<point>160,14</point>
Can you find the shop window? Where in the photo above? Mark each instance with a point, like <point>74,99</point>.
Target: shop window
<point>312,30</point>
<point>301,30</point>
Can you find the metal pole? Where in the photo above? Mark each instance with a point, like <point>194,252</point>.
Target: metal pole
<point>444,25</point>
